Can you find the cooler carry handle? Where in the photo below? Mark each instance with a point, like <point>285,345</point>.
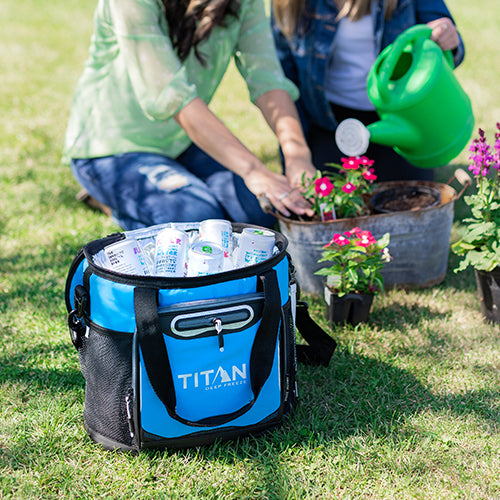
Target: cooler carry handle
<point>156,360</point>
<point>320,346</point>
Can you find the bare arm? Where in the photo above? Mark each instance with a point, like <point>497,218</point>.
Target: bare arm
<point>280,113</point>
<point>211,135</point>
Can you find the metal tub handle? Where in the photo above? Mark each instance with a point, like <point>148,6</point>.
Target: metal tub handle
<point>463,178</point>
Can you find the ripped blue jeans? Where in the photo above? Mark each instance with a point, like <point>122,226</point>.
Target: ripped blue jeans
<point>144,189</point>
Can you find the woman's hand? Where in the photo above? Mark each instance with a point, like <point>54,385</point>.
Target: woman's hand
<point>297,167</point>
<point>444,33</point>
<point>278,191</point>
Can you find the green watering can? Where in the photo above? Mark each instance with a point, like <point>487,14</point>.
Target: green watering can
<point>425,115</point>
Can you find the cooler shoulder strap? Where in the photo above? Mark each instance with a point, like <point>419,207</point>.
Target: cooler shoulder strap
<point>320,346</point>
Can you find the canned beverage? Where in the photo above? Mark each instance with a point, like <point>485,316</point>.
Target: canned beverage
<point>146,239</point>
<point>205,257</point>
<point>126,257</point>
<point>220,232</point>
<point>148,248</point>
<point>171,253</point>
<point>254,246</point>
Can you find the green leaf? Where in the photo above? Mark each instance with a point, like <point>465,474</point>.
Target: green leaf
<point>384,240</point>
<point>461,247</point>
<point>380,283</point>
<point>479,230</point>
<point>327,271</point>
<point>353,276</point>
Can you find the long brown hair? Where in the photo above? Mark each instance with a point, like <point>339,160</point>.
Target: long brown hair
<point>288,12</point>
<point>191,21</point>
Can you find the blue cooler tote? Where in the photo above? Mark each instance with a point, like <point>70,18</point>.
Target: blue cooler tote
<point>181,362</point>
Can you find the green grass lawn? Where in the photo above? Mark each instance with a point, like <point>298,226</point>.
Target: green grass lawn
<point>408,408</point>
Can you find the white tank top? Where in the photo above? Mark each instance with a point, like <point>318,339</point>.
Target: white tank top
<point>352,57</point>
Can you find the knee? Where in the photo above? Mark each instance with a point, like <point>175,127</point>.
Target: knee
<point>182,210</point>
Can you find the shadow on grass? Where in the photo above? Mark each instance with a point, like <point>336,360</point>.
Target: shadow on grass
<point>36,277</point>
<point>361,394</point>
<point>28,368</point>
<point>356,397</point>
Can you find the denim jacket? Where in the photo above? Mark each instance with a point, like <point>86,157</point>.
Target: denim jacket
<point>305,57</point>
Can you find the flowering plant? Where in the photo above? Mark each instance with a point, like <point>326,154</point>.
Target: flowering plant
<point>480,243</point>
<point>342,194</point>
<point>357,259</point>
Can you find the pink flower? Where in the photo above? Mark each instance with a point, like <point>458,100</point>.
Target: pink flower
<point>323,186</point>
<point>350,163</point>
<point>363,160</point>
<point>355,230</point>
<point>365,239</point>
<point>340,239</point>
<point>369,175</point>
<point>349,187</point>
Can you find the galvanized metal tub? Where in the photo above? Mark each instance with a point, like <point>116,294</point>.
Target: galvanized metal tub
<point>419,246</point>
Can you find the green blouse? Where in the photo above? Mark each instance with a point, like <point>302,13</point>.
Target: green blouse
<point>133,82</point>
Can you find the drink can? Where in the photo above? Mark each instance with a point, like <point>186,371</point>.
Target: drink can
<point>171,253</point>
<point>205,257</point>
<point>148,248</point>
<point>254,246</point>
<point>126,257</point>
<point>146,239</point>
<point>218,231</point>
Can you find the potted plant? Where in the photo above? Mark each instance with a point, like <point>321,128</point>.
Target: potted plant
<point>342,201</point>
<point>343,194</point>
<point>479,245</point>
<point>353,274</point>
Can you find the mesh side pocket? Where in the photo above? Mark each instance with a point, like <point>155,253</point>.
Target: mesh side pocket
<point>106,364</point>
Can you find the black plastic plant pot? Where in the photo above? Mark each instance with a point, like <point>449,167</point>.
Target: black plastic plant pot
<point>488,285</point>
<point>401,198</point>
<point>352,308</point>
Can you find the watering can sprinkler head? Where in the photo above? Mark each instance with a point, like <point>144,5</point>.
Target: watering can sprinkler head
<point>352,137</point>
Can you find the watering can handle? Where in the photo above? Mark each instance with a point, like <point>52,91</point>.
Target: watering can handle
<point>417,33</point>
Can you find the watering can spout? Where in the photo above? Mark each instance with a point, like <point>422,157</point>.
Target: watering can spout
<point>394,132</point>
<point>353,138</point>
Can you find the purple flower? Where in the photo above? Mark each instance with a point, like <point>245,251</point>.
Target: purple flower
<point>481,156</point>
<point>496,156</point>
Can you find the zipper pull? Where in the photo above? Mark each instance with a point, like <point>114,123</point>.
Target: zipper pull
<point>218,328</point>
<point>130,417</point>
